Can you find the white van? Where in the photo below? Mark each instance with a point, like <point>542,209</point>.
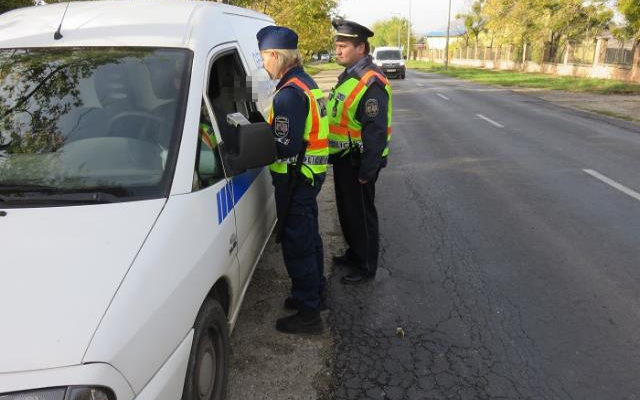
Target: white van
<point>390,60</point>
<point>132,213</point>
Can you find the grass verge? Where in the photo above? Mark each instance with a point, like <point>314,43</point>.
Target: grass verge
<point>529,80</point>
<point>314,68</point>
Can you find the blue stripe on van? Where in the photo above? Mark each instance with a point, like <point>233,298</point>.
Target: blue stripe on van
<point>232,192</point>
<point>219,202</point>
<point>242,182</point>
<point>229,195</point>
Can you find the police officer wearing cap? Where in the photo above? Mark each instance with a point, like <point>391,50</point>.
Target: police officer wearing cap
<point>359,132</point>
<point>300,127</point>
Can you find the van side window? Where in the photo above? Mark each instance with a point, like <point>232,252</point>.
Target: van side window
<point>208,163</point>
<point>228,93</point>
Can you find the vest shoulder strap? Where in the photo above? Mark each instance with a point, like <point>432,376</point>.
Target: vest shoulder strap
<point>297,83</point>
<point>369,77</point>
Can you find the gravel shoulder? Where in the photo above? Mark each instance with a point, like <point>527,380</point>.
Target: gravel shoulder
<point>621,106</point>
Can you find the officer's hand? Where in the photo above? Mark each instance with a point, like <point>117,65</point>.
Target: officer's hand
<point>362,181</point>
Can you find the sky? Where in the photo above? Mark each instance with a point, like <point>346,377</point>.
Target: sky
<point>426,15</point>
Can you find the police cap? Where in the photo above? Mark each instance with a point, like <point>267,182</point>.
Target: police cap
<point>277,37</point>
<point>349,30</point>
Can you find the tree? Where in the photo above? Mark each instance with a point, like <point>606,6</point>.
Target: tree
<point>6,5</point>
<point>311,19</point>
<point>475,21</point>
<point>391,32</point>
<point>631,11</point>
<point>548,24</point>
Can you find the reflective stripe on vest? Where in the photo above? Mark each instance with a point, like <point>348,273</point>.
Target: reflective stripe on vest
<point>345,131</point>
<point>309,160</point>
<point>315,133</point>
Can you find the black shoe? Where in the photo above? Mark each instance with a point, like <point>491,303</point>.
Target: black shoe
<point>290,303</point>
<point>308,322</point>
<point>356,278</point>
<point>344,260</point>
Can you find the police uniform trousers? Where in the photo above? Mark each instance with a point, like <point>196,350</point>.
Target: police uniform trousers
<point>301,242</point>
<point>357,214</point>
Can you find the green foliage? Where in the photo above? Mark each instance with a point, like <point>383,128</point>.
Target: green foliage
<point>391,32</point>
<point>311,19</point>
<point>631,11</point>
<point>6,5</point>
<point>475,21</point>
<point>548,24</point>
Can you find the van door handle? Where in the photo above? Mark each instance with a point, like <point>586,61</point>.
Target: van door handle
<point>233,241</point>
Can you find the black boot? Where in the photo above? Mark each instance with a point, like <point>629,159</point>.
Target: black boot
<point>356,278</point>
<point>304,321</point>
<point>344,260</point>
<point>290,303</point>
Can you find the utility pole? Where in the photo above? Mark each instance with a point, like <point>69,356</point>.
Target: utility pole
<point>409,34</point>
<point>446,51</point>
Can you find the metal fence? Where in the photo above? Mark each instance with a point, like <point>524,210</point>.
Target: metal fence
<point>618,56</point>
<point>503,53</point>
<point>569,53</point>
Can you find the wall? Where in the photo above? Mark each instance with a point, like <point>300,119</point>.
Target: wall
<point>597,70</point>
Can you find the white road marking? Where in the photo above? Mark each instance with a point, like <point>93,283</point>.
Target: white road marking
<point>489,120</point>
<point>613,183</point>
<point>420,84</point>
<point>443,96</point>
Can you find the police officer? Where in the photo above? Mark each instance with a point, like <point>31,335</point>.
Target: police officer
<point>300,128</point>
<point>360,126</point>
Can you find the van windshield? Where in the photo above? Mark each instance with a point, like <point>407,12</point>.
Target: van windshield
<point>102,122</point>
<point>389,55</point>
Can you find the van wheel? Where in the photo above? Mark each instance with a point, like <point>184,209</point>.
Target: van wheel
<point>208,368</point>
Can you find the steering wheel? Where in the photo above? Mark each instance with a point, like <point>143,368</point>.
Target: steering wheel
<point>145,132</point>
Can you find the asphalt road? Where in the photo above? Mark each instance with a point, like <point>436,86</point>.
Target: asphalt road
<point>513,272</point>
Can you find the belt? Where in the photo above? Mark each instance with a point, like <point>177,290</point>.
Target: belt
<point>309,160</point>
<point>340,145</point>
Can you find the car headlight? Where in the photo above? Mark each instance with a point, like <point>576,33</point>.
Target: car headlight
<point>402,63</point>
<point>62,393</point>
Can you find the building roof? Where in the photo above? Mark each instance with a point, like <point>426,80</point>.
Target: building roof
<point>452,33</point>
<point>166,23</point>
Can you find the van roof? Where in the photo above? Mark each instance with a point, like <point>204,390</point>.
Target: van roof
<point>386,48</point>
<point>154,23</point>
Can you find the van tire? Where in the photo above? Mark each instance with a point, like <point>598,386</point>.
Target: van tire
<point>208,367</point>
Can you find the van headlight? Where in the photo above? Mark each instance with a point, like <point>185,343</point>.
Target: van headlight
<point>402,63</point>
<point>62,393</point>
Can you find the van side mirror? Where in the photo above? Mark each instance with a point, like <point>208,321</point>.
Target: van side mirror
<point>256,148</point>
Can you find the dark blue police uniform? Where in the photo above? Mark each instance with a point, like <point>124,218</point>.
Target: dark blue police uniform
<point>356,201</point>
<point>302,247</point>
<point>301,243</point>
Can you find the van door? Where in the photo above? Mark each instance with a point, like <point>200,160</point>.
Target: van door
<point>213,190</point>
<point>229,92</point>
